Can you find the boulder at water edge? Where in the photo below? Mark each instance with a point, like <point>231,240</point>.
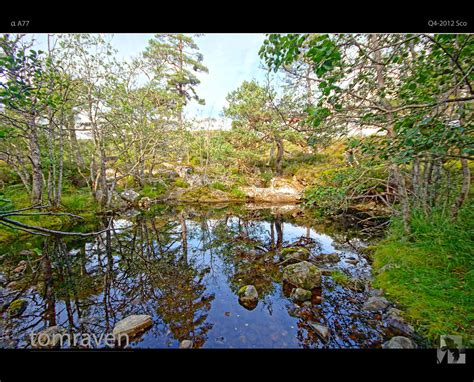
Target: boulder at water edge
<point>399,342</point>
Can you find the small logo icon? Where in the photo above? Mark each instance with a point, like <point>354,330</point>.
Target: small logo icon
<point>450,350</point>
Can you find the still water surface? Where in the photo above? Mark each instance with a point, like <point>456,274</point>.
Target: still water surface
<point>183,266</point>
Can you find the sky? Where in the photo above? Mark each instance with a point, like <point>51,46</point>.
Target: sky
<point>230,57</point>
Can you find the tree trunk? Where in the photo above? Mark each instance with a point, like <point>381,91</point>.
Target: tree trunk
<point>279,157</point>
<point>466,182</point>
<point>35,158</point>
<point>399,179</point>
<point>76,152</point>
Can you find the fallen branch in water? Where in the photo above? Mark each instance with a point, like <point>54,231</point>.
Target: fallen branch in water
<point>35,230</point>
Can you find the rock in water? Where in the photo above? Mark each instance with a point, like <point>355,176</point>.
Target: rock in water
<point>132,325</point>
<point>292,255</point>
<point>300,295</point>
<point>130,196</point>
<point>248,297</point>
<point>303,275</point>
<point>329,257</point>
<point>48,338</point>
<point>399,342</point>
<point>321,331</point>
<point>186,344</point>
<point>16,308</point>
<point>375,303</point>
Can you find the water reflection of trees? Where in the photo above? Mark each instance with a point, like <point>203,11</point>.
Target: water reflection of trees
<point>161,266</point>
<point>142,271</point>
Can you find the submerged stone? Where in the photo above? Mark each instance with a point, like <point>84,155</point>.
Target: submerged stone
<point>132,325</point>
<point>303,275</point>
<point>294,254</point>
<point>186,344</point>
<point>248,297</point>
<point>321,331</point>
<point>17,307</point>
<point>301,295</point>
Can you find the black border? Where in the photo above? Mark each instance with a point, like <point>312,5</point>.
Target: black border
<point>159,364</point>
<point>248,17</point>
<point>233,364</point>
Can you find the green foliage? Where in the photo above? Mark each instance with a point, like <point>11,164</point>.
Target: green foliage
<point>332,188</point>
<point>219,186</point>
<point>153,191</point>
<point>266,177</point>
<point>340,277</point>
<point>432,271</point>
<point>181,183</point>
<point>237,193</point>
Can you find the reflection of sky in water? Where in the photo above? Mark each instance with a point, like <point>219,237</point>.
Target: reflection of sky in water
<point>231,325</point>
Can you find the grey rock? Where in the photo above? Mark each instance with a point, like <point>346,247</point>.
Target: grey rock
<point>167,173</point>
<point>303,275</point>
<point>399,342</point>
<point>3,279</point>
<point>183,171</point>
<point>132,325</point>
<point>376,292</point>
<point>294,254</point>
<point>352,261</point>
<point>186,344</point>
<point>321,331</point>
<point>196,180</point>
<point>248,296</point>
<point>375,303</point>
<point>130,196</point>
<point>329,257</point>
<point>398,326</point>
<point>48,338</point>
<point>300,295</point>
<point>116,202</point>
<point>394,312</point>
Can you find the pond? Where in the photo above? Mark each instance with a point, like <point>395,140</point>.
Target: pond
<point>184,266</point>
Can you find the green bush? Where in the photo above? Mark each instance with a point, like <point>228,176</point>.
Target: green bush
<point>219,186</point>
<point>181,183</point>
<point>236,192</point>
